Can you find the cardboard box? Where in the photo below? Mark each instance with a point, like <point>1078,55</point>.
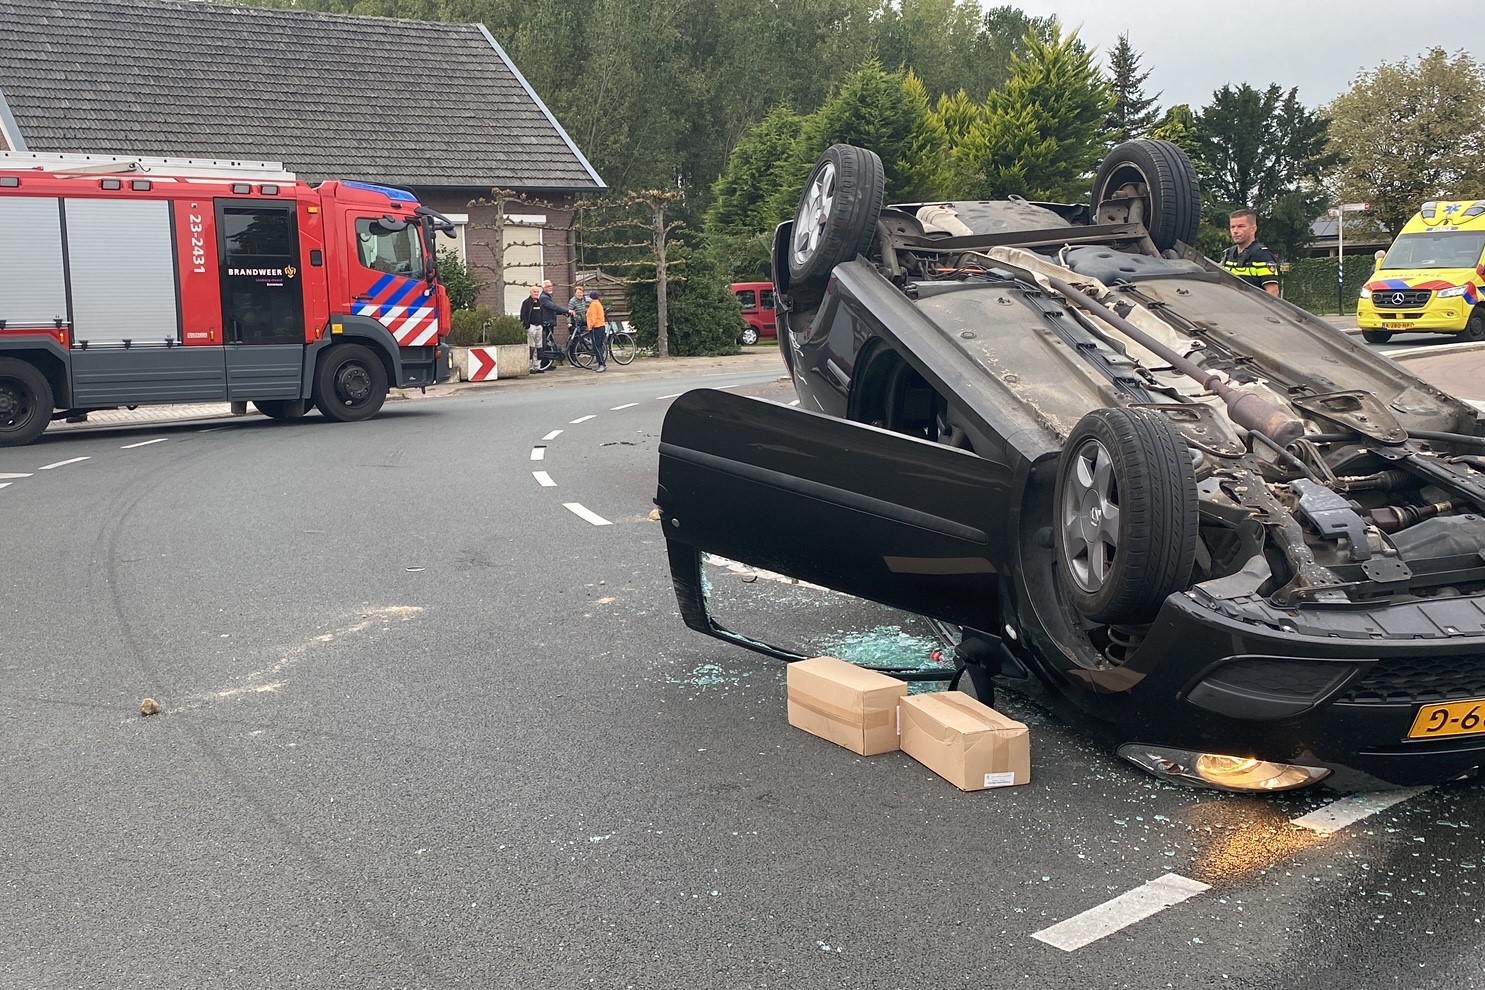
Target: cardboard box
<point>970,745</point>
<point>846,704</point>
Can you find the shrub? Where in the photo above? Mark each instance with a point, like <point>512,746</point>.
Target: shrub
<point>468,328</point>
<point>461,285</point>
<point>705,319</point>
<point>507,330</point>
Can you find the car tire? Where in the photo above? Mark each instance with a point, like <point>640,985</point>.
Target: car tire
<point>836,218</point>
<point>1376,336</point>
<point>1133,462</point>
<point>350,383</point>
<point>25,402</point>
<point>1475,328</point>
<point>749,336</point>
<point>1173,196</point>
<point>282,409</point>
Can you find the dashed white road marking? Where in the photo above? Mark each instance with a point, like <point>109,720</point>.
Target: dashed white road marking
<point>1353,808</point>
<point>72,460</point>
<point>143,443</point>
<point>586,514</point>
<point>553,435</point>
<point>538,453</point>
<point>673,395</point>
<point>581,419</point>
<point>627,405</point>
<point>1121,912</point>
<point>543,479</point>
<point>15,475</point>
<point>6,484</point>
<point>212,430</point>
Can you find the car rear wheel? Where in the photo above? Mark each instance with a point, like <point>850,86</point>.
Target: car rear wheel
<point>1158,177</point>
<point>1126,514</point>
<point>1376,336</point>
<point>749,336</point>
<point>284,409</point>
<point>837,214</point>
<point>25,402</point>
<point>350,383</point>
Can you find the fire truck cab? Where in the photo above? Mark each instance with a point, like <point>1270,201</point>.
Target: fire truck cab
<point>129,281</point>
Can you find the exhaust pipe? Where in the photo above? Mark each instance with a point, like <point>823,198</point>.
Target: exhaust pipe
<point>1250,411</point>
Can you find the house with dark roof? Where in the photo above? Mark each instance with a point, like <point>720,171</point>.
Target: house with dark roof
<point>439,109</point>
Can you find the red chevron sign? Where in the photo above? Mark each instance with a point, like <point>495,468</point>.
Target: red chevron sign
<point>482,364</point>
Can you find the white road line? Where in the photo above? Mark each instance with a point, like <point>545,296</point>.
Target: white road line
<point>585,514</point>
<point>627,405</point>
<point>14,476</point>
<point>581,419</point>
<point>538,453</point>
<point>794,403</point>
<point>6,484</point>
<point>553,435</point>
<point>1121,912</point>
<point>673,395</point>
<point>543,479</point>
<point>1353,808</point>
<point>74,460</point>
<point>143,443</point>
<point>212,430</point>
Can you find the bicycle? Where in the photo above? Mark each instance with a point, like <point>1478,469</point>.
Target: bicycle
<point>619,346</point>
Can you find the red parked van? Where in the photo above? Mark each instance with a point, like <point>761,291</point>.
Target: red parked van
<point>756,299</point>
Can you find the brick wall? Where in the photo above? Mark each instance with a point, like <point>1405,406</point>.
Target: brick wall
<point>478,235</point>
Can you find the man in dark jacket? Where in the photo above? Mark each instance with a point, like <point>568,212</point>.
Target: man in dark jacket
<point>550,310</point>
<point>531,320</point>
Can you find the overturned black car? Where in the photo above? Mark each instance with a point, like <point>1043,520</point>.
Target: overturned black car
<point>1247,550</point>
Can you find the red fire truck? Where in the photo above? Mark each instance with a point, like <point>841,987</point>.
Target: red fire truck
<point>127,281</point>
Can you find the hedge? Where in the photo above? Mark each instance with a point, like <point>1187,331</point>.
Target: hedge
<point>1310,283</point>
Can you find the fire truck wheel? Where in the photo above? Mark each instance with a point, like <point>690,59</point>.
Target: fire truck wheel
<point>284,409</point>
<point>25,402</point>
<point>350,383</point>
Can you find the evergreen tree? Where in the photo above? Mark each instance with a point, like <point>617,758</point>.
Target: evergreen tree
<point>1041,134</point>
<point>1134,113</point>
<point>740,194</point>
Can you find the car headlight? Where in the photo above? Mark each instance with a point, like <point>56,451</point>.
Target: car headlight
<point>1223,773</point>
<point>1365,292</point>
<point>1454,292</point>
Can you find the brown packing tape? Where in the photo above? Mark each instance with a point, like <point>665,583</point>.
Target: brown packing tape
<point>988,717</point>
<point>870,720</point>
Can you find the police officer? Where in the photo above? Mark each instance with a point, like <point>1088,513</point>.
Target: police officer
<point>1248,259</point>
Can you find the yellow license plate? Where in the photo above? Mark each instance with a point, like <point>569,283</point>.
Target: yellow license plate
<point>1397,326</point>
<point>1453,718</point>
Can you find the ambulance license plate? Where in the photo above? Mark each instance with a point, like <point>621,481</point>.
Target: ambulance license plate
<point>1397,326</point>
<point>1451,718</point>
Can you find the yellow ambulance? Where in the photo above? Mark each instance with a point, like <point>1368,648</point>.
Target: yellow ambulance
<point>1433,277</point>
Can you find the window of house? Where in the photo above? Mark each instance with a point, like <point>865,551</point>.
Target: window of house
<point>457,240</point>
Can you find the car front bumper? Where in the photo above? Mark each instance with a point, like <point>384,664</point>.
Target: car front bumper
<point>1436,316</point>
<point>1338,690</point>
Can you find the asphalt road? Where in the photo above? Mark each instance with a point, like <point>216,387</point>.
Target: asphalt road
<point>426,725</point>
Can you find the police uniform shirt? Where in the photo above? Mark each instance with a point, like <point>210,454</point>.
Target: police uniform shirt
<point>1256,266</point>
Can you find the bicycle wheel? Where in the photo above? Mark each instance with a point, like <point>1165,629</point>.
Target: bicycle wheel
<point>580,351</point>
<point>621,346</point>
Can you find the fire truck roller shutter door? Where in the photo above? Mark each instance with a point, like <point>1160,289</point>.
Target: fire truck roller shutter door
<point>33,291</point>
<point>121,259</point>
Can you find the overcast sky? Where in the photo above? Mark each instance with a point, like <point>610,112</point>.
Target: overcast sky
<point>1194,48</point>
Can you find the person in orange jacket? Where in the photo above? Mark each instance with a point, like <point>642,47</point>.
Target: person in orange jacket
<point>598,328</point>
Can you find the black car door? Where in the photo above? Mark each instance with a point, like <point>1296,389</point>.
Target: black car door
<point>885,517</point>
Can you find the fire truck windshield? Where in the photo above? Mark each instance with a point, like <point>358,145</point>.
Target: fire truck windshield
<point>399,252</point>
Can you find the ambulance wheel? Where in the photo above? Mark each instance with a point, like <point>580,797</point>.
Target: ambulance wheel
<point>284,409</point>
<point>1376,336</point>
<point>25,402</point>
<point>1475,328</point>
<point>350,383</point>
